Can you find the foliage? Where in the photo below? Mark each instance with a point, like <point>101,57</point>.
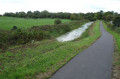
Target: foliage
<point>38,14</point>
<point>57,21</point>
<point>99,15</point>
<point>73,17</point>
<point>108,16</point>
<point>90,16</point>
<point>117,30</point>
<point>116,21</point>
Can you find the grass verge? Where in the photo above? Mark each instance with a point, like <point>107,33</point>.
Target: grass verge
<point>116,61</point>
<point>43,58</point>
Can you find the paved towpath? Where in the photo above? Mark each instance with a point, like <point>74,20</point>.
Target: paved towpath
<point>93,63</point>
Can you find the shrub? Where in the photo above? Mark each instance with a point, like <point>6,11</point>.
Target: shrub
<point>57,21</point>
<point>73,17</point>
<point>117,30</point>
<point>116,21</point>
<point>63,28</point>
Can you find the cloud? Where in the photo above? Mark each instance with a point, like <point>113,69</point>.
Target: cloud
<point>59,5</point>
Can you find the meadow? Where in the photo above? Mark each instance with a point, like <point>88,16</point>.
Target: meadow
<point>42,58</point>
<point>7,23</point>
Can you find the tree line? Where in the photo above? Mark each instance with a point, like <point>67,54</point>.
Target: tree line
<point>108,16</point>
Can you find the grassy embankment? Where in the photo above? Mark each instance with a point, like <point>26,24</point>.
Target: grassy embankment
<point>35,33</point>
<point>7,23</point>
<point>116,62</point>
<point>42,58</point>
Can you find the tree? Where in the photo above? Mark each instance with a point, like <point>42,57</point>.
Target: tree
<point>80,16</point>
<point>109,17</point>
<point>36,14</point>
<point>116,21</point>
<point>22,14</point>
<point>90,16</point>
<point>99,15</point>
<point>73,17</point>
<point>44,14</point>
<point>29,14</point>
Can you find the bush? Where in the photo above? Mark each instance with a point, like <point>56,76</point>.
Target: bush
<point>116,21</point>
<point>57,21</point>
<point>117,30</point>
<point>73,17</point>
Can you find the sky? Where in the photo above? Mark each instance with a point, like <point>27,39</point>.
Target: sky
<point>72,6</point>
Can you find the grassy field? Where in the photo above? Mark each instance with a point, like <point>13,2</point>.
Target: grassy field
<point>116,63</point>
<point>6,23</point>
<point>42,58</point>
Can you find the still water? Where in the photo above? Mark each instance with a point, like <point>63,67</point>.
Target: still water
<point>74,33</point>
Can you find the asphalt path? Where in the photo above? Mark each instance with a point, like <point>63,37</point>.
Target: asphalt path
<point>93,63</point>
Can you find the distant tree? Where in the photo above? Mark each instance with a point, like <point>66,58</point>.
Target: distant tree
<point>73,17</point>
<point>22,14</point>
<point>109,18</point>
<point>29,14</point>
<point>10,14</point>
<point>80,16</point>
<point>99,15</point>
<point>36,14</point>
<point>116,21</point>
<point>57,21</point>
<point>90,16</point>
<point>44,14</point>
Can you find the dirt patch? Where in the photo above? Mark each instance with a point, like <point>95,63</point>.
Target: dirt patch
<point>91,29</point>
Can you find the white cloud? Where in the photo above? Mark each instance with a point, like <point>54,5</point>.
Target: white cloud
<point>59,5</point>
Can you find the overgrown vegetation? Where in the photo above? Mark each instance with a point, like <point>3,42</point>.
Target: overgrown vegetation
<point>116,21</point>
<point>36,33</point>
<point>57,21</point>
<point>116,64</point>
<point>42,58</point>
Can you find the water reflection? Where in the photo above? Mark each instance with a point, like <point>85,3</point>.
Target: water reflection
<point>74,33</point>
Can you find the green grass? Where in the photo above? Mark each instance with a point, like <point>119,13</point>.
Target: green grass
<point>42,61</point>
<point>6,23</point>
